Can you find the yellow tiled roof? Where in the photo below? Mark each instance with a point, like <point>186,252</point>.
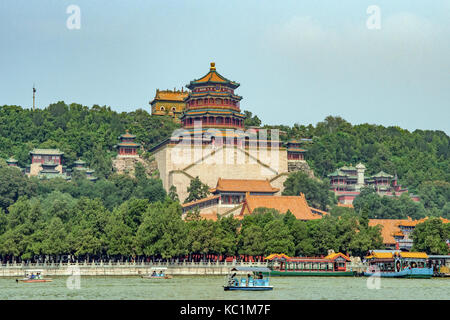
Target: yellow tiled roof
<point>381,255</point>
<point>214,76</point>
<point>295,204</point>
<point>276,255</point>
<point>418,255</point>
<point>243,185</point>
<point>168,95</point>
<point>335,255</point>
<point>211,76</point>
<point>389,228</point>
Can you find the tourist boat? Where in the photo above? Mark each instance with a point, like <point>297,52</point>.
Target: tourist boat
<point>32,276</point>
<point>440,265</point>
<point>157,275</point>
<point>255,280</point>
<point>397,264</point>
<point>333,265</point>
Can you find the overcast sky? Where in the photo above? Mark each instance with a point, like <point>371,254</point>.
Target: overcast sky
<point>296,61</point>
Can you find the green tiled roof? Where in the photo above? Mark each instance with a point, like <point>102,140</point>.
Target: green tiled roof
<point>128,144</point>
<point>348,168</point>
<point>79,161</point>
<point>49,166</point>
<point>47,151</point>
<point>382,174</point>
<point>338,173</point>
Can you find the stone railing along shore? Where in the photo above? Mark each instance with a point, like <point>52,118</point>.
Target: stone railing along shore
<point>123,268</point>
<point>130,268</point>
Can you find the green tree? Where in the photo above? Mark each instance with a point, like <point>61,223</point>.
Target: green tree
<point>162,231</point>
<point>173,193</point>
<point>431,236</point>
<point>197,190</point>
<point>316,192</point>
<point>118,236</point>
<point>251,120</point>
<point>251,241</point>
<point>277,238</point>
<point>55,240</point>
<point>14,184</point>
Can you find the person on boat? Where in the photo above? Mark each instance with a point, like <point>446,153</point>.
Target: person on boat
<point>31,276</point>
<point>161,274</point>
<point>249,277</point>
<point>154,273</point>
<point>232,281</point>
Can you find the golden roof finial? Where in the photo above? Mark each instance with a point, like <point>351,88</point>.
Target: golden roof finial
<point>213,66</point>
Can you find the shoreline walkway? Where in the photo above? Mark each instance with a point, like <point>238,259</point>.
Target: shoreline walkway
<point>127,268</point>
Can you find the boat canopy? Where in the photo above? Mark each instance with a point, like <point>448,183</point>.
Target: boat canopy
<point>439,257</point>
<point>334,256</point>
<point>158,268</point>
<point>391,255</point>
<point>380,255</point>
<point>252,269</point>
<point>275,256</point>
<point>385,251</point>
<point>414,255</point>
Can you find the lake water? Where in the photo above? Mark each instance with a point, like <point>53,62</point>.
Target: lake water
<point>210,288</point>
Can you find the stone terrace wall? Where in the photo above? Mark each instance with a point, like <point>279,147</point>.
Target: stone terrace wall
<point>124,269</point>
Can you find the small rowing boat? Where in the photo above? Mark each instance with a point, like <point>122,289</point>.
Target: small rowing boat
<point>32,276</point>
<point>255,280</point>
<point>157,275</point>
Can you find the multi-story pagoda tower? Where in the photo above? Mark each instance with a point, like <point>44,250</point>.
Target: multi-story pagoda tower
<point>127,147</point>
<point>213,103</point>
<point>214,142</point>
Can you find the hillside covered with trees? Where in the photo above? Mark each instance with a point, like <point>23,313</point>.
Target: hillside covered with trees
<point>122,216</point>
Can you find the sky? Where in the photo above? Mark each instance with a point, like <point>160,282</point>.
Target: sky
<point>296,61</point>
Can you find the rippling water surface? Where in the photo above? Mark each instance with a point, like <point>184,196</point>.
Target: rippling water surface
<point>210,287</point>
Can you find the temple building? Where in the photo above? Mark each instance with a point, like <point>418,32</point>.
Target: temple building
<point>127,147</point>
<point>347,182</point>
<point>233,191</point>
<point>229,194</point>
<point>11,162</point>
<point>396,233</point>
<point>50,171</point>
<point>213,142</point>
<point>239,197</point>
<point>80,166</point>
<point>295,155</point>
<point>48,164</point>
<point>213,103</point>
<point>171,103</point>
<point>48,159</point>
